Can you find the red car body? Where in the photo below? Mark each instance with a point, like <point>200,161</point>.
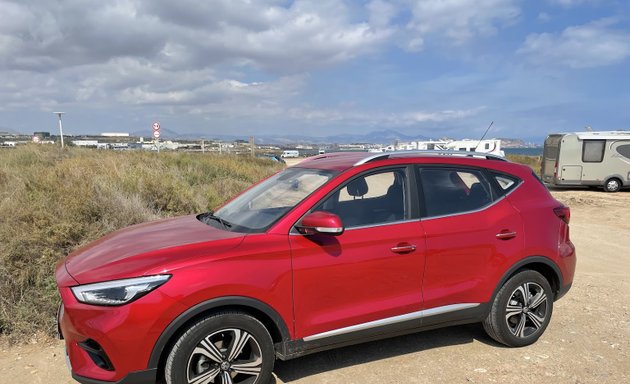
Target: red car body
<point>312,295</point>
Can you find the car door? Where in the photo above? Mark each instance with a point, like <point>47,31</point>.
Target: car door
<point>473,234</point>
<point>373,270</point>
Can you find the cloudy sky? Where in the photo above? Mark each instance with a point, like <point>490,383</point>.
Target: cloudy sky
<point>253,67</point>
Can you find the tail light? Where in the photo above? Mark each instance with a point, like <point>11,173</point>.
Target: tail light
<point>563,213</point>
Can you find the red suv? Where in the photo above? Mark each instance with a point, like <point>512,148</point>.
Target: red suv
<point>342,248</point>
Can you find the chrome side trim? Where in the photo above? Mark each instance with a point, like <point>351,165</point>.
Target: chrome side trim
<point>393,320</point>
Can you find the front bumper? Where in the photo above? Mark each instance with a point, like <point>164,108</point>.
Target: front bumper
<point>112,344</point>
<point>148,376</point>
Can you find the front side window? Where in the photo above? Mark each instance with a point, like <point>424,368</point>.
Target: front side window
<point>260,207</point>
<point>593,151</point>
<point>373,199</point>
<point>450,191</point>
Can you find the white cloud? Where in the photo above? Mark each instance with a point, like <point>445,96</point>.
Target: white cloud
<point>381,13</point>
<point>460,20</point>
<point>585,46</point>
<point>230,58</point>
<point>267,34</point>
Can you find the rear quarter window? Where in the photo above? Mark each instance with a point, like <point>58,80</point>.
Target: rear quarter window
<point>624,150</point>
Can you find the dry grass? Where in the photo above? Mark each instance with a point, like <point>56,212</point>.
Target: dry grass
<point>53,201</point>
<point>532,161</point>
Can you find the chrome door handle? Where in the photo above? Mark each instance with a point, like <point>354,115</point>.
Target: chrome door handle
<point>505,235</point>
<point>404,248</point>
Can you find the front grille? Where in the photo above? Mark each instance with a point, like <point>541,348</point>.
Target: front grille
<point>97,354</point>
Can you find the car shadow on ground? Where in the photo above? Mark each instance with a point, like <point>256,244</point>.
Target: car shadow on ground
<point>295,369</point>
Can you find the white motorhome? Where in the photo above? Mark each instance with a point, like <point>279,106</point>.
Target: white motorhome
<point>290,153</point>
<point>599,159</point>
<point>491,146</point>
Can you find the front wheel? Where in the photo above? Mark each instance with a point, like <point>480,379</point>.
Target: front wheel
<point>521,310</point>
<point>225,348</point>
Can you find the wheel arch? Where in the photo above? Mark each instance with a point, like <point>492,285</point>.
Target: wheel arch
<point>541,264</point>
<point>257,309</point>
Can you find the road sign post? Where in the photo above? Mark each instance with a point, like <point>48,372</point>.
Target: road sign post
<point>156,134</point>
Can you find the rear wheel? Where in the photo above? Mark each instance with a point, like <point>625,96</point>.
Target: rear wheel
<point>612,185</point>
<point>226,348</point>
<point>521,310</point>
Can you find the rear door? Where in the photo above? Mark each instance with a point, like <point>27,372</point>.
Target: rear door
<point>472,234</point>
<point>372,271</point>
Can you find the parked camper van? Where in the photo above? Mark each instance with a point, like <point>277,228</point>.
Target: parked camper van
<point>587,158</point>
<point>286,154</point>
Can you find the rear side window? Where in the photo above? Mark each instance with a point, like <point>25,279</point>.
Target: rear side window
<point>624,150</point>
<point>593,151</point>
<point>449,191</point>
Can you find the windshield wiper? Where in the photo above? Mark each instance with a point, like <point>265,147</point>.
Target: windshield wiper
<point>205,217</point>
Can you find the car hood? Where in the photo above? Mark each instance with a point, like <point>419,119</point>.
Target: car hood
<point>148,248</point>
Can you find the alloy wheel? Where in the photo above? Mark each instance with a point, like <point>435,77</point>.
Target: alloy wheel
<point>228,356</point>
<point>526,310</point>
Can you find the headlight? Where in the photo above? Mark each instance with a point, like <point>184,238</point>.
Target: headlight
<point>118,292</point>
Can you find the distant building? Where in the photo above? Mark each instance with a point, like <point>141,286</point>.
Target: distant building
<point>115,134</point>
<point>85,143</point>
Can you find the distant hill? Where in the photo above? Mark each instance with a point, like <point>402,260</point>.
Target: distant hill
<point>7,131</point>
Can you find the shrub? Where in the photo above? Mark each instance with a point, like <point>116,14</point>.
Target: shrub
<point>532,161</point>
<point>53,201</point>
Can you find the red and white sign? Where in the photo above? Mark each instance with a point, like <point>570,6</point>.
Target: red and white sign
<point>156,126</point>
<point>156,134</point>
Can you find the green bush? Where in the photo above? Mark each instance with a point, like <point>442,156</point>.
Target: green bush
<point>53,201</point>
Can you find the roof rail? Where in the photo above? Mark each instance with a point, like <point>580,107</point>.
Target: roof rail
<point>386,155</point>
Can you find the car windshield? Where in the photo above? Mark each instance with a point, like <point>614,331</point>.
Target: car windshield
<point>261,206</point>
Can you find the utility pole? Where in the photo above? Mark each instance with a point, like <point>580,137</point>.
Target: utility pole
<point>251,144</point>
<point>60,126</point>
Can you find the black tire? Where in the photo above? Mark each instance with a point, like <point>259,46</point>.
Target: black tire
<point>224,344</point>
<point>612,185</point>
<point>517,320</point>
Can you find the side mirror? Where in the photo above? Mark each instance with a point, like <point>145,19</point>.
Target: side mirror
<point>320,222</point>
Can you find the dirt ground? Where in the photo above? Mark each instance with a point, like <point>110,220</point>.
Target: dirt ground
<point>588,340</point>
